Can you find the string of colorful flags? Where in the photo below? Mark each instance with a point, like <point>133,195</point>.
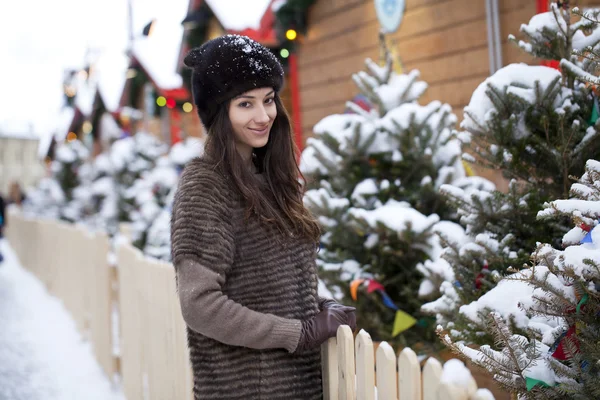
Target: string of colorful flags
<point>402,320</point>
<point>595,111</point>
<point>558,349</point>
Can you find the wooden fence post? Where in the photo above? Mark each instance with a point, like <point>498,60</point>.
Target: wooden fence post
<point>365,363</point>
<point>329,368</point>
<point>432,373</point>
<point>386,372</point>
<point>409,375</point>
<point>346,368</point>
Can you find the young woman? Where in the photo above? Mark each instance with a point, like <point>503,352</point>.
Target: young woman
<point>243,244</point>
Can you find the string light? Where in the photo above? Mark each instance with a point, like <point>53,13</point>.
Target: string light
<point>71,136</point>
<point>187,107</point>
<point>291,34</point>
<point>170,103</point>
<point>131,73</point>
<point>70,91</point>
<point>284,53</point>
<point>87,127</point>
<point>161,101</point>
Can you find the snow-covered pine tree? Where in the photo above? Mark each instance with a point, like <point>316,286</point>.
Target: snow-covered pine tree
<point>130,157</point>
<point>554,304</point>
<point>80,206</point>
<point>150,193</point>
<point>69,158</point>
<point>158,232</point>
<point>103,197</point>
<point>536,124</point>
<point>373,177</point>
<point>45,200</point>
<point>587,55</point>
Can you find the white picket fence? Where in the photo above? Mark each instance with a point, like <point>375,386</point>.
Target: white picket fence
<point>351,369</point>
<point>153,362</point>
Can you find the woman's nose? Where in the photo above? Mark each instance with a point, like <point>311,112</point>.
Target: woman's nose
<point>261,117</point>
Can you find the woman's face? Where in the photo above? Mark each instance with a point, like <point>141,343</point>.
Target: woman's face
<point>252,114</point>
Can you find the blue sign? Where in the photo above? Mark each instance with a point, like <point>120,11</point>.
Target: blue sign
<point>390,13</point>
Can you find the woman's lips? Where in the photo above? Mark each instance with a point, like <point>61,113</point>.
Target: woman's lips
<point>262,131</point>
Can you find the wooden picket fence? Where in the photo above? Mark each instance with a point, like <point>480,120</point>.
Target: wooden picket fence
<point>153,361</point>
<point>349,373</point>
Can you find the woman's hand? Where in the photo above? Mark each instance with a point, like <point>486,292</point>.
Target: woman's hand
<point>350,311</point>
<point>324,325</point>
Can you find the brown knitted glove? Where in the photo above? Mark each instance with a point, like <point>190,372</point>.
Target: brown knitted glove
<point>321,327</point>
<point>350,311</point>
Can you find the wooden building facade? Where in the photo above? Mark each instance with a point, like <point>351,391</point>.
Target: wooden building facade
<point>446,40</point>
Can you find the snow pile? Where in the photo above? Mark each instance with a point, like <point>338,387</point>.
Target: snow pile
<point>459,377</point>
<point>43,356</point>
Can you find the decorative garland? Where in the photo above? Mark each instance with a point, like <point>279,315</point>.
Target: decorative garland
<point>402,320</point>
<point>558,350</point>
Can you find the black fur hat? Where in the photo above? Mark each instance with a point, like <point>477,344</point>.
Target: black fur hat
<point>229,66</point>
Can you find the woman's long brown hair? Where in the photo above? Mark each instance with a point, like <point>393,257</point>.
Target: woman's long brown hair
<point>276,161</point>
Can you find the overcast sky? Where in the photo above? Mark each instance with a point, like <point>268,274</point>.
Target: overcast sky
<point>40,38</point>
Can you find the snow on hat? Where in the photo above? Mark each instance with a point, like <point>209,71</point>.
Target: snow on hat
<point>226,67</point>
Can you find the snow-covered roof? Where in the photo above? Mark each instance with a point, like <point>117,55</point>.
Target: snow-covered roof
<point>44,145</point>
<point>84,99</point>
<point>17,129</point>
<point>238,15</point>
<point>159,52</point>
<point>63,122</point>
<point>59,131</point>
<point>110,74</point>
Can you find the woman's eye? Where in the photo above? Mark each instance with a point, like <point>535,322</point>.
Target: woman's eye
<point>270,100</point>
<point>244,104</point>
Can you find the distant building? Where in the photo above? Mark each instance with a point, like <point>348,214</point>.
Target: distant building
<point>19,159</point>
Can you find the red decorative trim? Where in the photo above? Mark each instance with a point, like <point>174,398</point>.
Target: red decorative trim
<point>175,119</point>
<point>177,94</point>
<point>296,108</point>
<point>542,6</point>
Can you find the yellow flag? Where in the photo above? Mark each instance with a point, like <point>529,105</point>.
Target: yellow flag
<point>402,322</point>
<point>468,169</point>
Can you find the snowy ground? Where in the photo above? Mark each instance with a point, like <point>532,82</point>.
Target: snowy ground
<point>42,356</point>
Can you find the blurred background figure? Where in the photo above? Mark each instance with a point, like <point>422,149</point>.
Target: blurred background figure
<point>15,194</point>
<point>2,222</point>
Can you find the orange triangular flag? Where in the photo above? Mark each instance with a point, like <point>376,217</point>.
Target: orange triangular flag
<point>354,287</point>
